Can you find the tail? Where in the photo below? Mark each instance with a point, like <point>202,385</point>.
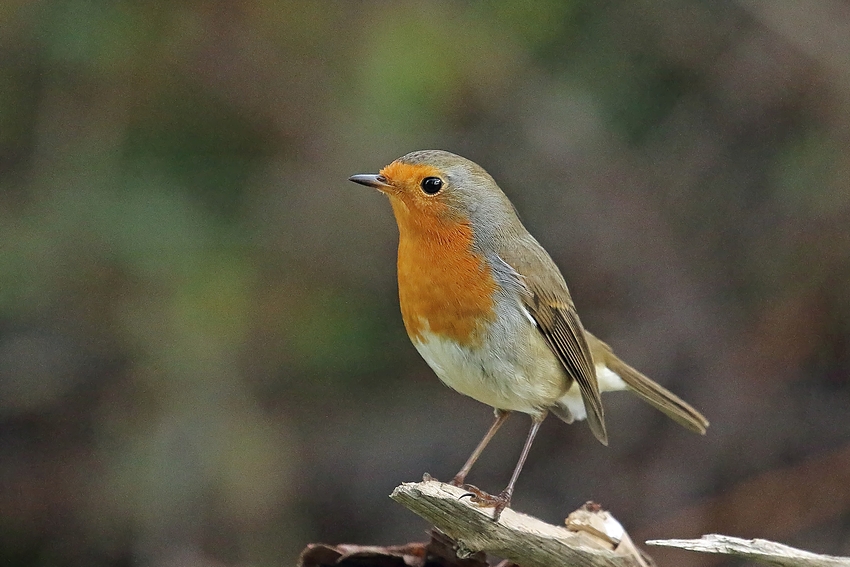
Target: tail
<point>656,394</point>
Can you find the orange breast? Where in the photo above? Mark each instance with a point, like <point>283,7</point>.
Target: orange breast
<point>444,286</point>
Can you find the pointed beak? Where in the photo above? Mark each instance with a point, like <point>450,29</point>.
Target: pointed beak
<point>371,180</point>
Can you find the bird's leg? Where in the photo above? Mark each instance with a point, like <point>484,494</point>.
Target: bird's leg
<point>503,500</point>
<point>501,417</point>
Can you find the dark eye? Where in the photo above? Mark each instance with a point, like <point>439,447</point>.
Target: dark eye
<point>431,185</point>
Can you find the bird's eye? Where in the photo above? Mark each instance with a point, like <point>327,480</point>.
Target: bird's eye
<point>431,185</point>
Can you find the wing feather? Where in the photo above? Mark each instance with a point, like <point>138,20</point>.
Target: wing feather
<point>563,331</point>
<point>549,303</point>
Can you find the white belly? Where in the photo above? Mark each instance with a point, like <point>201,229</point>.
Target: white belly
<point>527,379</point>
<point>528,386</point>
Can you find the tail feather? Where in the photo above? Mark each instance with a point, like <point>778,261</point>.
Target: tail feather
<point>655,394</point>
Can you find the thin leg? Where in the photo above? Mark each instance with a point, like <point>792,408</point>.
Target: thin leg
<point>503,500</point>
<point>532,433</point>
<point>501,417</point>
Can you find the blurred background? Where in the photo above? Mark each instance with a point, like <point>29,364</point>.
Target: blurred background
<point>202,360</point>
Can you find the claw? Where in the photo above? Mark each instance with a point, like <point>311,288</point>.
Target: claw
<point>478,495</point>
<point>485,500</point>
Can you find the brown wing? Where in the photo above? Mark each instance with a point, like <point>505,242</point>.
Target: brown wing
<point>547,299</point>
<point>558,321</point>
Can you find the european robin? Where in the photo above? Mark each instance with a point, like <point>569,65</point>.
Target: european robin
<point>489,311</point>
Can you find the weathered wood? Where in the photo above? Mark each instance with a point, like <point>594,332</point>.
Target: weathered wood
<point>595,540</point>
<point>758,549</point>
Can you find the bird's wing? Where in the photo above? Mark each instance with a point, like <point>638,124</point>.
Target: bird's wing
<point>548,301</point>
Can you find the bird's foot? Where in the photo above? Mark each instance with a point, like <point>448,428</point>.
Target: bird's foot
<point>486,500</point>
<point>478,496</point>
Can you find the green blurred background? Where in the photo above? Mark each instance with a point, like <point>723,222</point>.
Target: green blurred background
<point>201,356</point>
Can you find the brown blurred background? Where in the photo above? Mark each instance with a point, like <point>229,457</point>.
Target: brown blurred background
<point>201,356</point>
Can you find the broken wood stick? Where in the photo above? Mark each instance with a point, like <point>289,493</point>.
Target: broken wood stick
<point>758,549</point>
<point>590,538</point>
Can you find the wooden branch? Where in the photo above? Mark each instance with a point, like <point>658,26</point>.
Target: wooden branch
<point>591,538</point>
<point>758,549</point>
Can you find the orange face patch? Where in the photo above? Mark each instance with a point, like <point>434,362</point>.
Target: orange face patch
<point>444,286</point>
<point>405,175</point>
<point>407,194</point>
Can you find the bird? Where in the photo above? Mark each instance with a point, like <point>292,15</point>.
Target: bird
<point>488,309</point>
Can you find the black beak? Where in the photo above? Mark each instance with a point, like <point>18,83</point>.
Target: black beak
<point>370,180</point>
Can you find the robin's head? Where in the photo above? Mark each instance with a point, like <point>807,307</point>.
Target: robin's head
<point>431,187</point>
